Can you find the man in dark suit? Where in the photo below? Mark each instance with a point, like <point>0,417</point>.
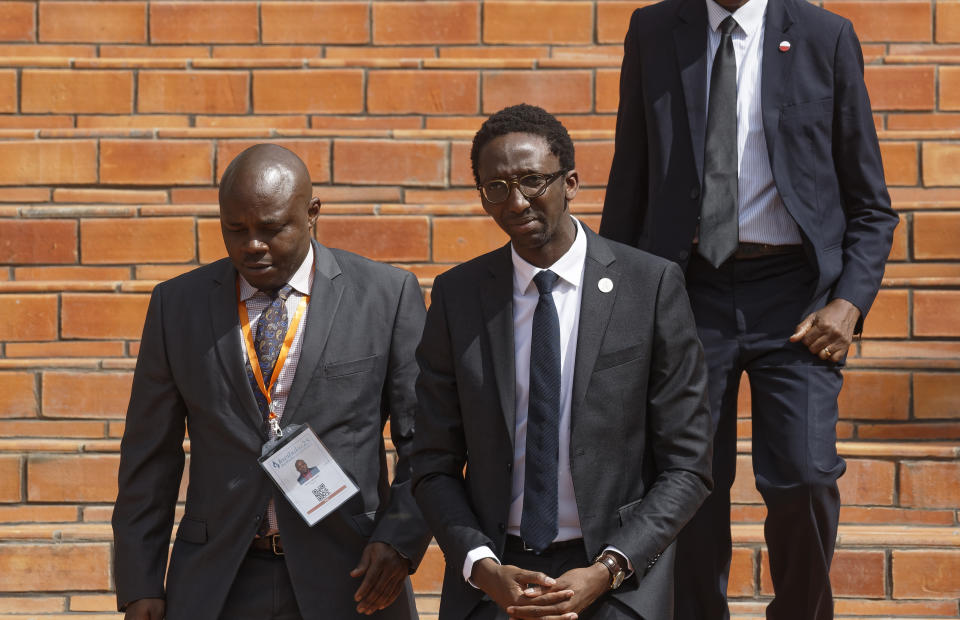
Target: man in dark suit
<point>746,152</point>
<point>564,371</point>
<point>348,328</point>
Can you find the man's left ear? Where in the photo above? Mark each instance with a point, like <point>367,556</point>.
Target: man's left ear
<point>571,184</point>
<point>313,210</point>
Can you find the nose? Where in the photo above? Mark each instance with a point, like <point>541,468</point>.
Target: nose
<point>255,246</point>
<point>516,201</point>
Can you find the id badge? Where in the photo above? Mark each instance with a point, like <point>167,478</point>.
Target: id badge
<point>306,473</point>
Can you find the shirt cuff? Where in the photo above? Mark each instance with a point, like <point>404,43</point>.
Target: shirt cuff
<point>474,556</point>
<point>623,555</point>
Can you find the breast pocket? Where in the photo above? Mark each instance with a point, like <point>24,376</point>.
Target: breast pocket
<point>334,370</point>
<point>619,357</point>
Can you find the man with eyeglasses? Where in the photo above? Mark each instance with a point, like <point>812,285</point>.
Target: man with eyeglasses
<point>562,436</point>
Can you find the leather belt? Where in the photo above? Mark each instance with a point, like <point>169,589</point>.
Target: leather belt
<point>269,544</point>
<point>515,544</point>
<point>746,251</point>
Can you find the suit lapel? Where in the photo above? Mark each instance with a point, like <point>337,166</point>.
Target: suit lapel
<point>776,66</point>
<point>690,41</point>
<point>226,330</point>
<point>595,309</point>
<point>328,285</point>
<point>497,302</point>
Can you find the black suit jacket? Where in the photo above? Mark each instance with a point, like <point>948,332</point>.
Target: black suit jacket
<point>818,126</point>
<point>640,434</point>
<point>356,369</point>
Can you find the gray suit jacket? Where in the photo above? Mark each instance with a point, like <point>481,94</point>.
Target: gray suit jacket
<point>640,438</point>
<point>356,369</point>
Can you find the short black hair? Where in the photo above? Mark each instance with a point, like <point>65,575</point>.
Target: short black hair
<point>524,118</point>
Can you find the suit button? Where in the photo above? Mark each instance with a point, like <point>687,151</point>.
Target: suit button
<point>502,527</point>
<point>694,193</point>
<point>256,519</point>
<point>509,466</point>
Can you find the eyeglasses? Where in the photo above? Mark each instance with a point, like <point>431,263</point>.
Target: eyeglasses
<point>530,185</point>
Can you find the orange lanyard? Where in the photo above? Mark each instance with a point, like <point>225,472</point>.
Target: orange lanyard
<point>265,389</point>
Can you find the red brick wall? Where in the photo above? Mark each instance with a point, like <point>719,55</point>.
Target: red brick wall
<point>116,119</point>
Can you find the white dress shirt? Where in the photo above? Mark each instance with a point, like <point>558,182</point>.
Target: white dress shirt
<point>762,216</point>
<point>567,293</point>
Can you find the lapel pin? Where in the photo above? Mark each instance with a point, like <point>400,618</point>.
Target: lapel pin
<point>605,285</point>
<point>784,46</point>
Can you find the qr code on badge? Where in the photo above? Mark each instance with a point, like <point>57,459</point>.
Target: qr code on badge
<point>321,492</point>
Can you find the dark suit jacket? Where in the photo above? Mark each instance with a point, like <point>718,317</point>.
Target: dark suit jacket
<point>356,368</point>
<point>819,130</point>
<point>639,435</point>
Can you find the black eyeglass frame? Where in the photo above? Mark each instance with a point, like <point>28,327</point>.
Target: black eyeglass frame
<point>515,180</point>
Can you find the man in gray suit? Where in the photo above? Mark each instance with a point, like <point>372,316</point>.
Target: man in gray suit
<point>287,328</point>
<point>563,371</point>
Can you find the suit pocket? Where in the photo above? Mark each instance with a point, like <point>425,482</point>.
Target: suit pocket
<point>807,109</point>
<point>343,369</point>
<point>192,531</point>
<point>619,357</point>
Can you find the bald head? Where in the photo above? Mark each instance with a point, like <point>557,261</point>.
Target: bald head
<point>266,214</point>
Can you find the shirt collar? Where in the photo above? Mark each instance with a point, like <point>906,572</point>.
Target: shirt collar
<point>749,17</point>
<point>569,266</point>
<point>302,280</point>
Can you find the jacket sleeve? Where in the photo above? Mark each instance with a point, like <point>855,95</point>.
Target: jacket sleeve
<point>679,429</point>
<point>402,525</point>
<point>866,203</point>
<point>440,450</point>
<point>151,466</point>
<point>625,201</point>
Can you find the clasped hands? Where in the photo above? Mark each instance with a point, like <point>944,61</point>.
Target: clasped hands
<point>530,594</point>
<point>828,332</point>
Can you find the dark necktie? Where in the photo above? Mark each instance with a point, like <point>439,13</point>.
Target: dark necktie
<point>271,330</point>
<point>538,523</point>
<point>719,229</point>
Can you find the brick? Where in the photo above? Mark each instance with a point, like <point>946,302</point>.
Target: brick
<point>164,272</point>
<point>384,238</point>
<point>72,272</point>
<point>48,50</point>
<point>924,122</point>
<point>193,195</point>
<point>608,90</point>
<point>935,234</point>
<point>899,432</point>
<point>155,51</point>
<point>868,482</point>
<point>900,162</point>
<point>950,88</point>
<point>113,196</point>
<point>52,428</point>
<point>934,313</point>
<point>858,573</point>
<point>93,602</point>
<point>8,91</point>
<point>887,21</point>
<point>103,315</point>
<point>332,91</point>
<point>291,121</point>
<point>562,23</point>
<point>898,250</point>
<point>193,92</point>
<point>941,164</point>
<point>894,609</point>
<point>613,19</point>
<point>268,51</point>
<point>47,241</point>
<point>429,576</point>
<point>76,92</point>
<point>93,22</point>
<point>314,22</point>
<point>366,122</point>
<point>936,395</point>
<point>462,238</point>
<point>930,484</point>
<point>555,91</point>
<point>875,395</point>
<point>10,476</point>
<point>136,121</point>
<point>927,574</point>
<point>593,162</point>
<point>495,51</point>
<point>135,240</point>
<point>204,22</point>
<point>744,490</point>
<point>35,514</point>
<point>210,241</point>
<point>384,162</point>
<point>742,570</point>
<point>28,317</point>
<point>72,478</point>
<point>948,21</point>
<point>24,194</point>
<point>314,153</point>
<point>461,170</point>
<point>889,317</point>
<point>66,349</point>
<point>901,87</point>
<point>69,394</point>
<point>57,567</point>
<point>171,162</point>
<point>36,121</point>
<point>885,516</point>
<point>17,22</point>
<point>18,398</point>
<point>423,92</point>
<point>48,162</point>
<point>436,23</point>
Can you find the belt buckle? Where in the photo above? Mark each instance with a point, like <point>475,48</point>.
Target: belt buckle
<point>526,548</point>
<point>274,541</point>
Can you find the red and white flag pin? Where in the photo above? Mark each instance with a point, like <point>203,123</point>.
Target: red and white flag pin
<point>784,46</point>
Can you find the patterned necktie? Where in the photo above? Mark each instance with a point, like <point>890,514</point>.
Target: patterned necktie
<point>538,521</point>
<point>271,331</point>
<point>719,227</point>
